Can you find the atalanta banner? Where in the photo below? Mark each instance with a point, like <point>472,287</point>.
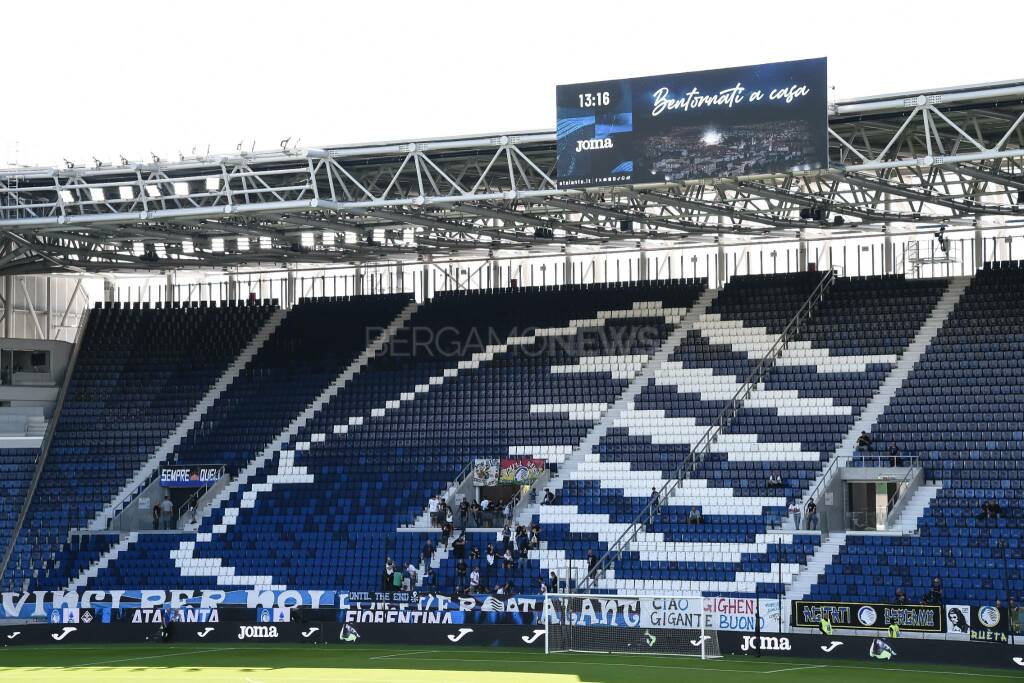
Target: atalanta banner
<point>990,624</point>
<point>876,616</point>
<point>740,121</point>
<point>193,476</point>
<point>520,470</point>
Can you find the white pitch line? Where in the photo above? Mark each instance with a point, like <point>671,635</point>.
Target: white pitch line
<point>405,653</point>
<point>796,668</point>
<point>148,656</point>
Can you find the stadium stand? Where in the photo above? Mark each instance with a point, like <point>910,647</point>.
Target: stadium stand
<point>138,373</point>
<point>790,425</point>
<point>483,386</point>
<point>337,445</point>
<point>313,345</point>
<point>972,447</point>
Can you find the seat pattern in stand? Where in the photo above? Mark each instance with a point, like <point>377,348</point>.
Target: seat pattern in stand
<point>17,465</point>
<point>792,422</point>
<point>486,374</point>
<point>962,412</point>
<point>138,373</point>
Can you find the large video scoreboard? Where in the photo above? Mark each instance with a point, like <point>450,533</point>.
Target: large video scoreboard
<point>740,121</point>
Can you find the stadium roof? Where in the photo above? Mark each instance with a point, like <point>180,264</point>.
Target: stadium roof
<point>918,158</point>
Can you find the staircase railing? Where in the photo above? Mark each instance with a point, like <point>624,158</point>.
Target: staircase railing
<point>898,499</point>
<point>44,448</point>
<point>703,446</point>
<point>191,503</point>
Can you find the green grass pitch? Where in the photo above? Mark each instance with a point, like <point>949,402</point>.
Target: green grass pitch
<point>247,663</point>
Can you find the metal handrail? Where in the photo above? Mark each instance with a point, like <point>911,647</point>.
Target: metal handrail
<point>843,460</point>
<point>893,504</point>
<point>911,463</point>
<point>199,493</point>
<point>710,436</point>
<point>826,477</point>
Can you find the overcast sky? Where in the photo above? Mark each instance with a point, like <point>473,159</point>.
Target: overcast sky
<point>105,79</point>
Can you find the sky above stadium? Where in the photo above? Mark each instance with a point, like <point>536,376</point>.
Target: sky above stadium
<point>132,79</point>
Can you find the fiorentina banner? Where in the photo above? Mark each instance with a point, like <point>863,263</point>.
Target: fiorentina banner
<point>861,615</point>
<point>520,470</point>
<point>190,476</point>
<point>741,121</point>
<point>485,471</point>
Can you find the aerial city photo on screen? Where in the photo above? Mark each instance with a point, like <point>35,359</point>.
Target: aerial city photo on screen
<point>739,121</point>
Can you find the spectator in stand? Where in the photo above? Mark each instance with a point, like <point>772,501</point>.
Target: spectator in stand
<point>508,560</point>
<point>474,513</point>
<point>509,588</point>
<point>459,547</point>
<point>811,514</point>
<point>389,575</point>
<point>449,516</point>
<point>655,505</point>
<point>934,596</point>
<point>542,588</point>
<point>522,541</point>
<point>490,563</point>
<point>411,571</point>
<point>446,533</point>
<point>499,589</point>
<point>474,554</point>
<point>864,443</point>
<point>894,454</point>
<point>474,581</point>
<point>461,568</point>
<point>534,543</point>
<point>156,516</point>
<point>1016,627</point>
<point>464,514</point>
<point>429,582</point>
<point>433,505</point>
<point>485,511</point>
<point>553,582</point>
<point>167,513</point>
<point>695,516</point>
<point>794,512</point>
<point>901,597</point>
<point>774,481</point>
<point>506,536</point>
<point>990,509</point>
<point>510,511</point>
<point>591,561</point>
<point>549,498</point>
<point>428,552</point>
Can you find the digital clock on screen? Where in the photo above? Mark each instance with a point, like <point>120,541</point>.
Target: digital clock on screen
<point>595,99</point>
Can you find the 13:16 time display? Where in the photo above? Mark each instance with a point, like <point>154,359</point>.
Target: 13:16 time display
<point>594,99</point>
